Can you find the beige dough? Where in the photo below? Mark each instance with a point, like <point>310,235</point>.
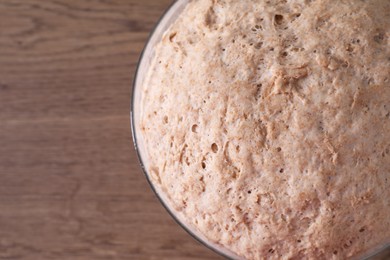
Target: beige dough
<point>267,125</point>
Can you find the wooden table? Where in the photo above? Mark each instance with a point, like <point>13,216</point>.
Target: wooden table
<point>70,184</point>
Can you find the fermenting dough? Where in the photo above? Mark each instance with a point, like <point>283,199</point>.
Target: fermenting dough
<point>267,125</point>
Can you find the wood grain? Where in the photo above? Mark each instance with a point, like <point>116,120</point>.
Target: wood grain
<point>70,184</point>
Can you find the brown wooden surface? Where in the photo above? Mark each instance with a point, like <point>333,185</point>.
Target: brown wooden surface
<point>70,184</point>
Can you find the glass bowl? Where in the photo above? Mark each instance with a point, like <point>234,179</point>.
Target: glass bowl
<point>170,16</point>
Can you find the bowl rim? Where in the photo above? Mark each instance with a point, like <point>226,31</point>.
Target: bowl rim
<point>203,242</point>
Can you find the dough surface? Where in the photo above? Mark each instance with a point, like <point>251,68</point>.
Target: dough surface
<point>267,125</point>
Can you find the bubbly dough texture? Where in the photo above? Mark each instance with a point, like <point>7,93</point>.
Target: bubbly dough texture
<point>267,125</point>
